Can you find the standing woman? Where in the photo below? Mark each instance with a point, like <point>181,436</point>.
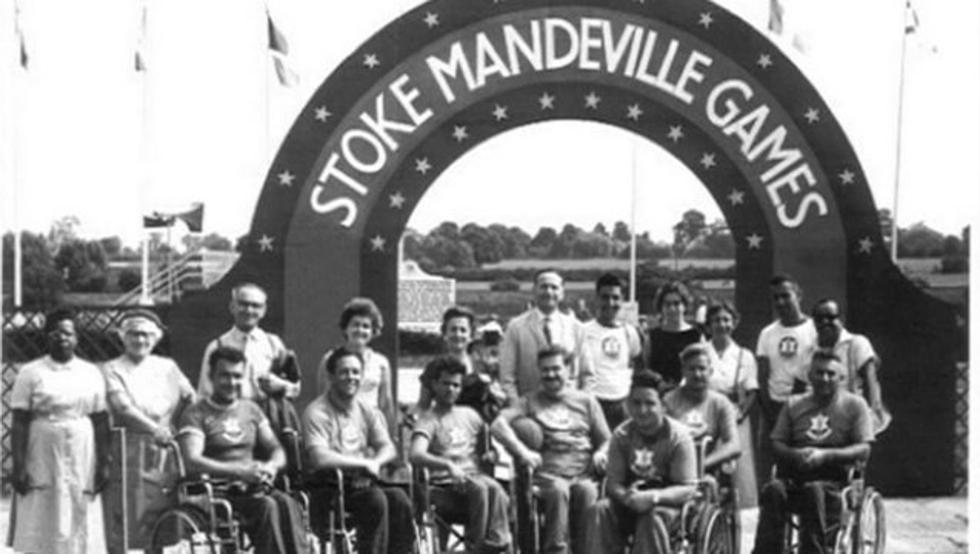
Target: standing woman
<point>60,447</point>
<point>673,334</point>
<point>146,393</point>
<point>361,322</point>
<point>735,376</point>
<point>457,333</point>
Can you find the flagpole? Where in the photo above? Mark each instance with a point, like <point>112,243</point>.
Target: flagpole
<point>267,82</point>
<point>633,219</point>
<point>15,158</point>
<point>144,152</point>
<point>898,137</point>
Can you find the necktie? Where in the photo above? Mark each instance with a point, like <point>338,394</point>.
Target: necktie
<point>547,331</point>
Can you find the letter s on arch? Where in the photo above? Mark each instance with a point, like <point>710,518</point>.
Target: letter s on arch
<point>811,199</point>
<point>334,204</point>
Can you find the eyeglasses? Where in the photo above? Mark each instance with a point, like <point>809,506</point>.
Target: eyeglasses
<point>826,317</point>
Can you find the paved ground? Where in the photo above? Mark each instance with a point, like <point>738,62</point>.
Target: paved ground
<point>915,526</point>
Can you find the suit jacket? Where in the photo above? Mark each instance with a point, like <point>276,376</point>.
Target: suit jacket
<point>524,338</point>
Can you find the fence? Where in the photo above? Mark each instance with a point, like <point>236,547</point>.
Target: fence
<point>24,340</point>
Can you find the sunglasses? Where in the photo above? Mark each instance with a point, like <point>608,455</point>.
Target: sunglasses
<point>826,317</point>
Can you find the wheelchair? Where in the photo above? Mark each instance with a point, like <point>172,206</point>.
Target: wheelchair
<point>861,527</point>
<point>202,519</point>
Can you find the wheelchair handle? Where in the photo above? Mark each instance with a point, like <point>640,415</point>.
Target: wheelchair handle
<point>174,448</point>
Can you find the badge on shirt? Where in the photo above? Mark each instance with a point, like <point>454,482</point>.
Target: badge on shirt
<point>611,347</point>
<point>788,347</point>
<point>557,417</point>
<point>819,428</point>
<point>695,420</point>
<point>642,464</point>
<point>231,430</point>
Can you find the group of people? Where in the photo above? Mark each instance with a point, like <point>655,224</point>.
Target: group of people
<point>565,401</point>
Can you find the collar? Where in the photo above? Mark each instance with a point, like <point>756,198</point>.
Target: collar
<point>553,316</point>
<point>220,407</point>
<point>346,410</point>
<point>845,336</point>
<point>253,335</point>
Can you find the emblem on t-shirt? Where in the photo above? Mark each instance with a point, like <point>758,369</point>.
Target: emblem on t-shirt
<point>611,347</point>
<point>819,428</point>
<point>456,438</point>
<point>557,417</point>
<point>788,347</point>
<point>232,430</point>
<point>642,464</point>
<point>350,436</point>
<point>695,420</point>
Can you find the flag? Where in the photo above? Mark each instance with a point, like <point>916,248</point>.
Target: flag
<point>279,49</point>
<point>139,57</point>
<point>193,218</point>
<point>776,11</point>
<point>21,41</point>
<point>157,219</point>
<point>911,18</point>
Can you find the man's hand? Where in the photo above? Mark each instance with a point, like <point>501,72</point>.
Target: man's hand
<point>600,459</point>
<point>101,480</point>
<point>531,458</point>
<point>163,435</point>
<point>814,458</point>
<point>641,502</point>
<point>21,481</point>
<point>373,468</point>
<point>456,473</point>
<point>270,384</point>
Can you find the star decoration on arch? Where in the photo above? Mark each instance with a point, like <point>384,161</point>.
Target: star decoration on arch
<point>634,112</point>
<point>459,133</point>
<point>286,178</point>
<point>707,160</point>
<point>812,115</point>
<point>705,19</point>
<point>592,100</point>
<point>676,133</point>
<point>499,112</point>
<point>846,177</point>
<point>865,245</point>
<point>396,200</point>
<point>422,165</point>
<point>764,61</point>
<point>378,243</point>
<point>371,61</point>
<point>547,101</point>
<point>755,241</point>
<point>431,19</point>
<point>736,197</point>
<point>265,243</point>
<point>322,114</point>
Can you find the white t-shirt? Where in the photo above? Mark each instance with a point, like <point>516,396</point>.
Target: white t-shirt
<point>733,367</point>
<point>789,350</point>
<point>854,351</point>
<point>610,349</point>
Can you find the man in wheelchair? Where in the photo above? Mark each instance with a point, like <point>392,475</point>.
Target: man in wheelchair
<point>447,440</point>
<point>342,433</point>
<point>651,474</point>
<point>572,448</point>
<point>818,436</point>
<point>218,436</point>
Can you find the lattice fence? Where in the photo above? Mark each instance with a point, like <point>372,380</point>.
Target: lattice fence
<point>24,340</point>
<point>962,449</point>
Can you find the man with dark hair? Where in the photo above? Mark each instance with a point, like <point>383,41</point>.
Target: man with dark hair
<point>542,326</point>
<point>651,473</point>
<point>817,437</point>
<point>614,349</point>
<point>573,447</point>
<point>447,440</point>
<point>342,432</point>
<point>783,351</point>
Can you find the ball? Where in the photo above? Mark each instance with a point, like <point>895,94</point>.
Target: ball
<point>529,432</point>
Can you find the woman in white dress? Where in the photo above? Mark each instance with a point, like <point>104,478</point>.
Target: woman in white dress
<point>60,447</point>
<point>146,393</point>
<point>736,376</point>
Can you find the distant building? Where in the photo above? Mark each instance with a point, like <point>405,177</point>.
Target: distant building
<point>422,298</point>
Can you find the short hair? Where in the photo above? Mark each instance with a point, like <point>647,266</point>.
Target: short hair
<point>56,316</point>
<point>226,353</point>
<point>555,350</point>
<point>722,306</point>
<point>825,355</point>
<point>363,307</point>
<point>246,285</point>
<point>675,287</point>
<point>781,278</point>
<point>444,364</point>
<point>540,272</point>
<point>822,301</point>
<point>694,349</point>
<point>647,379</point>
<point>458,311</point>
<point>338,354</point>
<point>608,280</point>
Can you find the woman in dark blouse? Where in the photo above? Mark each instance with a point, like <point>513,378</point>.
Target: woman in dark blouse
<point>673,334</point>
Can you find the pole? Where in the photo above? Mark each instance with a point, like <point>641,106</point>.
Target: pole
<point>15,153</point>
<point>898,141</point>
<point>170,269</point>
<point>267,84</point>
<point>145,299</point>
<point>633,220</point>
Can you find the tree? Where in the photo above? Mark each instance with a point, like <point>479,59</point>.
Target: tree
<point>600,229</point>
<point>211,241</point>
<point>128,279</point>
<point>488,247</point>
<point>515,240</point>
<point>42,284</point>
<point>592,245</point>
<point>63,230</point>
<point>446,229</point>
<point>83,265</point>
<point>112,246</point>
<point>562,248</point>
<point>621,232</point>
<point>920,241</point>
<point>543,242</point>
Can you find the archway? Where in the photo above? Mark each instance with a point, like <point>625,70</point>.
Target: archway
<point>688,76</point>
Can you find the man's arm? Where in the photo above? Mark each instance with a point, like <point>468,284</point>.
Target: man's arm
<point>502,431</point>
<point>204,386</point>
<point>727,446</point>
<point>269,443</point>
<point>870,372</point>
<point>586,369</point>
<point>762,364</point>
<point>683,473</point>
<point>192,450</point>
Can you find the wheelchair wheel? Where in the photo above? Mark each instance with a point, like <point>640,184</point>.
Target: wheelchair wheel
<point>184,528</point>
<point>871,528</point>
<point>714,532</point>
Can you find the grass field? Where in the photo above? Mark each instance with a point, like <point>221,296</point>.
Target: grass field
<point>909,265</point>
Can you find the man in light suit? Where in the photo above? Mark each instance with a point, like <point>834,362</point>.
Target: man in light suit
<point>541,327</point>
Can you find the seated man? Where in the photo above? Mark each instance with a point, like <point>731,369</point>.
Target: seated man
<point>705,412</point>
<point>651,473</point>
<point>447,440</point>
<point>342,432</point>
<point>574,446</point>
<point>218,435</point>
<point>817,436</point>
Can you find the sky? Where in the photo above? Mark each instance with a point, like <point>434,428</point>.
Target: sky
<point>83,134</point>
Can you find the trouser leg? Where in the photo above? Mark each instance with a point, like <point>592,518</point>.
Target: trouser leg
<point>608,525</point>
<point>583,493</point>
<point>555,492</point>
<point>773,513</point>
<point>260,519</point>
<point>496,524</point>
<point>401,533</point>
<point>291,521</point>
<point>765,460</point>
<point>369,510</point>
<point>819,515</point>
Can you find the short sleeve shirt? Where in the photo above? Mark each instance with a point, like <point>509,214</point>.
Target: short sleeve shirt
<point>667,458</point>
<point>155,386</point>
<point>854,351</point>
<point>51,389</point>
<point>359,431</point>
<point>571,424</point>
<point>843,422</point>
<point>375,367</point>
<point>453,435</point>
<point>261,349</point>
<point>713,417</point>
<point>789,350</point>
<point>734,369</point>
<point>230,432</point>
<point>611,349</point>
